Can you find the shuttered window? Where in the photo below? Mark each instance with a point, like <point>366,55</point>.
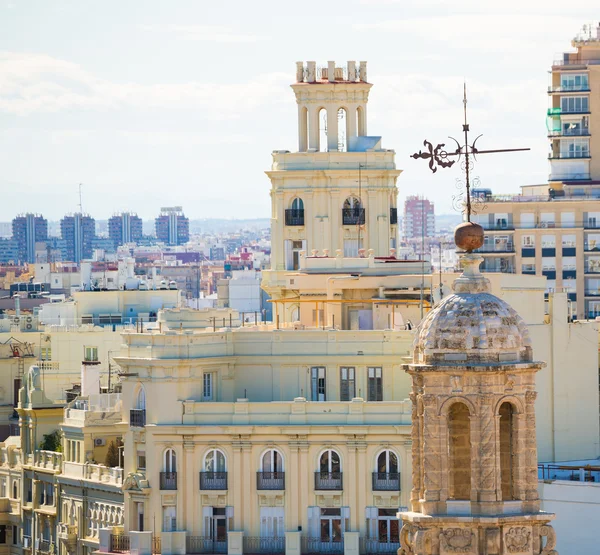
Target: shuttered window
<point>317,384</point>
<point>347,383</point>
<point>375,385</point>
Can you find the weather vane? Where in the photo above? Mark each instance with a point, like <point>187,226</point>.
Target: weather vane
<point>438,156</point>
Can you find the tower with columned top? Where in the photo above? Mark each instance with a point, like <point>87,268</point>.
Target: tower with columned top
<point>474,449</point>
<point>335,198</point>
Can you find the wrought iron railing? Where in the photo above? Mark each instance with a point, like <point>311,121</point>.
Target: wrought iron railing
<point>371,546</point>
<point>156,545</point>
<point>328,480</point>
<point>44,546</point>
<point>294,216</point>
<point>393,216</point>
<point>204,544</point>
<point>137,418</point>
<point>257,545</point>
<point>386,481</point>
<point>168,480</point>
<point>319,545</point>
<point>270,480</point>
<point>119,543</point>
<point>213,480</point>
<point>353,216</point>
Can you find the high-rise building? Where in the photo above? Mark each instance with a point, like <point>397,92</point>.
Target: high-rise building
<point>78,230</point>
<point>574,112</point>
<point>28,229</point>
<point>172,227</point>
<point>419,218</point>
<point>553,230</point>
<point>125,228</point>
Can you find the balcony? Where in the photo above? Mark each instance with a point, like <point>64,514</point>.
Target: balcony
<point>328,481</point>
<point>592,292</point>
<point>579,176</point>
<point>26,541</point>
<point>137,418</point>
<point>331,546</point>
<point>498,247</point>
<point>353,216</point>
<point>204,544</point>
<point>119,543</point>
<point>213,480</point>
<point>569,88</point>
<point>44,546</point>
<point>498,227</point>
<point>294,217</point>
<point>568,155</point>
<point>270,480</point>
<point>168,480</point>
<point>386,481</point>
<point>393,216</point>
<point>577,132</point>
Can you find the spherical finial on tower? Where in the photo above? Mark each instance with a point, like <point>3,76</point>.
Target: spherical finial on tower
<point>468,236</point>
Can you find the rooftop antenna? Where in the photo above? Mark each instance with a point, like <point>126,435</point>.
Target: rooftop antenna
<point>80,203</point>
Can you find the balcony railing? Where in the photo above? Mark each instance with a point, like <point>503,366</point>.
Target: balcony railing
<point>321,545</point>
<point>373,545</point>
<point>119,544</point>
<point>328,480</point>
<point>576,132</point>
<point>592,292</point>
<point>393,216</point>
<point>574,62</point>
<point>353,216</point>
<point>386,481</point>
<point>213,480</point>
<point>270,480</point>
<point>581,176</point>
<point>498,227</point>
<point>263,544</point>
<point>137,418</point>
<point>569,88</point>
<point>44,546</point>
<point>168,480</point>
<point>294,216</point>
<point>203,544</point>
<point>568,155</point>
<point>498,247</point>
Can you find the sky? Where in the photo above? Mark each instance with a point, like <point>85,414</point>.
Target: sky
<point>152,103</point>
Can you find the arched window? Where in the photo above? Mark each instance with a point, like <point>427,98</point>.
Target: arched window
<point>272,461</point>
<point>170,461</point>
<point>297,204</point>
<point>322,122</point>
<point>329,461</point>
<point>215,461</point>
<point>387,462</point>
<point>140,399</point>
<point>15,490</point>
<point>507,450</point>
<point>295,313</point>
<point>459,452</point>
<point>352,203</point>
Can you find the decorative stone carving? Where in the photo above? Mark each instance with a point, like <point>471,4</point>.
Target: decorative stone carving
<point>550,534</point>
<point>456,382</point>
<point>492,541</point>
<point>517,539</point>
<point>135,481</point>
<point>457,540</point>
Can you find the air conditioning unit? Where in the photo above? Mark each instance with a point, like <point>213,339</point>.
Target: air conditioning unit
<point>99,442</point>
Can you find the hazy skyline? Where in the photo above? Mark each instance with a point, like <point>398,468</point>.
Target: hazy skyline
<point>152,104</point>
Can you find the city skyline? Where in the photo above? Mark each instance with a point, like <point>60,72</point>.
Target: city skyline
<point>146,116</point>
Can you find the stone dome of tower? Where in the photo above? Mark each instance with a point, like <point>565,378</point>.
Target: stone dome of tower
<point>472,325</point>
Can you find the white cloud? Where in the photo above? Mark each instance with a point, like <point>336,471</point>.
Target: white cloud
<point>212,33</point>
<point>31,83</point>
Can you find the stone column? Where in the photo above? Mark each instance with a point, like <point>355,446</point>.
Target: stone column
<point>431,452</point>
<point>235,543</point>
<point>302,128</point>
<point>332,128</point>
<point>488,480</point>
<point>530,449</point>
<point>417,425</point>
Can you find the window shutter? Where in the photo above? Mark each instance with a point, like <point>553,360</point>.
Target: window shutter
<point>379,382</point>
<point>313,384</point>
<point>345,519</point>
<point>371,389</point>
<point>313,521</point>
<point>229,512</point>
<point>207,513</point>
<point>344,385</point>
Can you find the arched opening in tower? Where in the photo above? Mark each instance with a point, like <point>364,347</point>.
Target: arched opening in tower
<point>360,121</point>
<point>507,439</point>
<point>322,119</point>
<point>459,452</point>
<point>342,119</point>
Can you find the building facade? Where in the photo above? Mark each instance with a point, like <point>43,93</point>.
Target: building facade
<point>29,229</point>
<point>172,227</point>
<point>78,230</point>
<point>125,228</point>
<point>419,218</point>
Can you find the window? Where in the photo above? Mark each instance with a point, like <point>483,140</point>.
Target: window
<point>329,461</point>
<point>272,461</point>
<point>528,241</point>
<point>387,462</point>
<point>140,400</point>
<point>347,383</point>
<point>207,386</point>
<point>46,353</point>
<point>169,519</point>
<point>215,461</point>
<point>15,490</point>
<point>569,263</point>
<point>170,461</point>
<point>388,530</point>
<point>331,525</point>
<point>90,354</point>
<point>3,487</point>
<point>375,387</point>
<point>317,383</point>
<point>528,268</point>
<point>527,220</point>
<point>574,81</point>
<point>459,452</point>
<point>507,450</point>
<point>297,204</point>
<point>547,219</point>
<point>501,221</point>
<point>15,535</point>
<point>548,263</point>
<point>574,104</point>
<point>575,148</point>
<point>568,240</point>
<point>141,460</point>
<point>548,241</point>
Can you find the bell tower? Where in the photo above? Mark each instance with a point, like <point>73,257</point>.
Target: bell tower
<point>473,438</point>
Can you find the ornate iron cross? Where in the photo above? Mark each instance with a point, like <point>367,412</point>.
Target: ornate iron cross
<point>438,156</point>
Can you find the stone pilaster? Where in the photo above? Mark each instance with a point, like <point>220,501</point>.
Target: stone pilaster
<point>488,437</point>
<point>530,467</point>
<point>431,450</point>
